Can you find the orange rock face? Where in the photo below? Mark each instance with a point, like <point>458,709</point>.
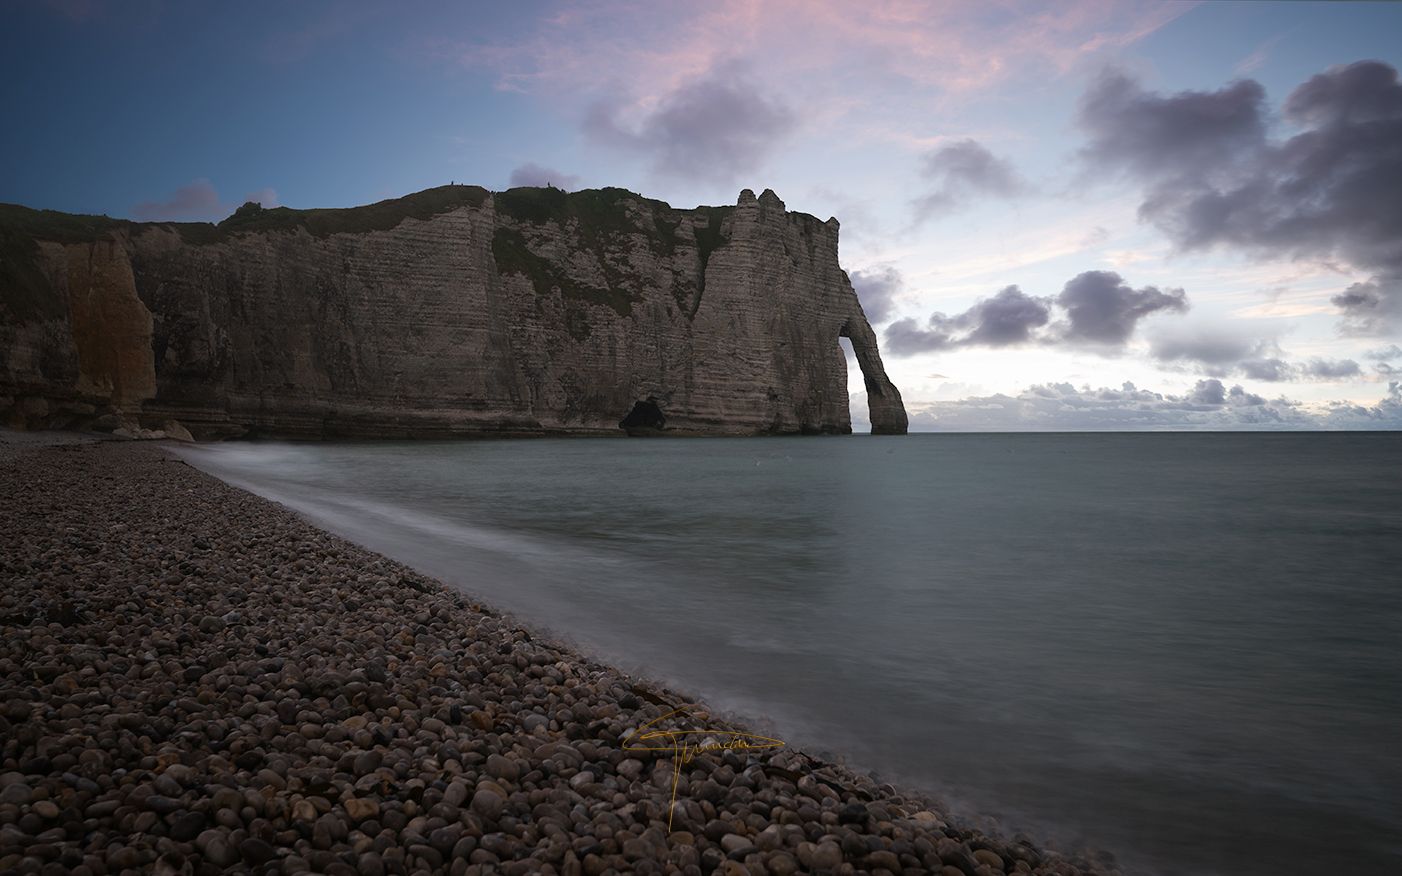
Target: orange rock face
<point>111,328</point>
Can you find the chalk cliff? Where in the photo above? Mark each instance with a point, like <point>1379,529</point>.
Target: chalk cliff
<point>452,311</point>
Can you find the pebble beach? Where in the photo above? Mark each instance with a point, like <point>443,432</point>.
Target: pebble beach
<point>196,680</point>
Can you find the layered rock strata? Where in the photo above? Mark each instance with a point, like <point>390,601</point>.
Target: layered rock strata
<point>452,311</point>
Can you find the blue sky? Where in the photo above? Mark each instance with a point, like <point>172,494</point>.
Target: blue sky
<point>1068,149</point>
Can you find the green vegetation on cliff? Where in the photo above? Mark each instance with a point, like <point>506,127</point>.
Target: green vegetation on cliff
<point>605,220</point>
<point>513,256</point>
<point>380,216</point>
<point>709,237</point>
<point>602,214</point>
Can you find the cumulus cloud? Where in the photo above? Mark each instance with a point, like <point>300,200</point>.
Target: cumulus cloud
<point>1214,177</point>
<point>715,127</point>
<point>195,202</point>
<point>1102,309</point>
<point>876,288</point>
<point>1007,319</point>
<point>539,176</point>
<point>1367,91</point>
<point>962,170</point>
<point>1101,312</point>
<point>1167,137</point>
<point>1208,405</point>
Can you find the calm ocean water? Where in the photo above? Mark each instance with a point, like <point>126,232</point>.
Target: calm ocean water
<point>1183,648</point>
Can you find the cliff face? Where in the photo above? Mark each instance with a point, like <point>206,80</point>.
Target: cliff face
<point>455,310</point>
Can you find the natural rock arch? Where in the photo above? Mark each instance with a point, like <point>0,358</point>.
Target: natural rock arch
<point>884,405</point>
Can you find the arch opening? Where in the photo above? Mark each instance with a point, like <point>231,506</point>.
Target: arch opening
<point>884,408</point>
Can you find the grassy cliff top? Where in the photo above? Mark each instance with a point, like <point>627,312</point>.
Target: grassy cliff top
<point>324,222</point>
<point>23,222</point>
<point>599,209</point>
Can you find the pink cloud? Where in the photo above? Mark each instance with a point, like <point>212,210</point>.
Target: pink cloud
<point>194,201</point>
<point>954,48</point>
<point>831,71</point>
<point>197,201</point>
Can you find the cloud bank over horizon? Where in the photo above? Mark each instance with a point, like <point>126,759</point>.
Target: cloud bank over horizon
<point>1209,405</point>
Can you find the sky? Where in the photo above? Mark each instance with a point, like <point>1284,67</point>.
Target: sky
<point>1077,214</point>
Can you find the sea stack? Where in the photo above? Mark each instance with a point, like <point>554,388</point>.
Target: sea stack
<point>451,311</point>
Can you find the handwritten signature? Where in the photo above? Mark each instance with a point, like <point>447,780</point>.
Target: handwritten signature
<point>680,743</point>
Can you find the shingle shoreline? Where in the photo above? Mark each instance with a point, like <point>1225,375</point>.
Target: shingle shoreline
<point>196,680</point>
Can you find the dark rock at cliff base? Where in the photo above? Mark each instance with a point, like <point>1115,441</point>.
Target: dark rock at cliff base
<point>447,312</point>
<point>645,418</point>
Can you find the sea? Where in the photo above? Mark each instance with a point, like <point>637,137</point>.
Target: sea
<point>1184,649</point>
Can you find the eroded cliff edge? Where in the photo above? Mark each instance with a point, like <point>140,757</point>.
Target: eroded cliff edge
<point>455,310</point>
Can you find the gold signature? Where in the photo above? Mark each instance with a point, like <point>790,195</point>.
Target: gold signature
<point>684,751</point>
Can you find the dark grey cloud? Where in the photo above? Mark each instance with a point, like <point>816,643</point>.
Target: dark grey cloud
<point>1370,308</point>
<point>1333,191</point>
<point>1367,91</point>
<point>1332,369</point>
<point>1205,347</point>
<point>1208,405</point>
<point>715,128</point>
<point>539,176</point>
<point>1007,319</point>
<point>1271,369</point>
<point>1380,357</point>
<point>1102,309</point>
<point>905,337</point>
<point>1222,353</point>
<point>1165,137</point>
<point>1101,312</point>
<point>962,170</point>
<point>876,288</point>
